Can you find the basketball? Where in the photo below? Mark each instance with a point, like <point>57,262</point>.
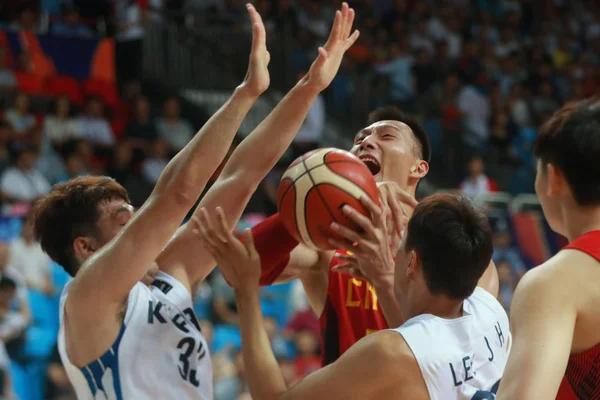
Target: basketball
<point>314,189</point>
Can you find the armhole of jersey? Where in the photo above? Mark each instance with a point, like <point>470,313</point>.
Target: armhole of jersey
<point>402,333</point>
<point>132,299</point>
<point>172,288</point>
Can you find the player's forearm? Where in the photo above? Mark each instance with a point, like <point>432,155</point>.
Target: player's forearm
<point>191,168</point>
<point>272,136</point>
<point>262,371</point>
<point>384,287</point>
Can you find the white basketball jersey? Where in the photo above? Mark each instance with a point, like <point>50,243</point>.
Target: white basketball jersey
<point>159,353</point>
<point>462,358</point>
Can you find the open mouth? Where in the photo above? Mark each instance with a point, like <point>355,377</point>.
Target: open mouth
<point>372,164</point>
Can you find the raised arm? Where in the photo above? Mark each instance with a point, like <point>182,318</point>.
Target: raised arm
<point>259,152</point>
<point>106,278</point>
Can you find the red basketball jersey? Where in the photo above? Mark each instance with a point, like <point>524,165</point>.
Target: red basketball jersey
<point>582,377</point>
<point>351,312</point>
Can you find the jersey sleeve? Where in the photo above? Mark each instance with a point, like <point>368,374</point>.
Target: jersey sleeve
<point>274,245</point>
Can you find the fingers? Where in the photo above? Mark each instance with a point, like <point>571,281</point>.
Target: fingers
<point>349,20</point>
<point>396,212</point>
<point>351,259</point>
<point>222,229</point>
<point>344,25</point>
<point>336,29</point>
<point>374,209</point>
<point>342,244</point>
<point>346,233</point>
<point>321,58</point>
<point>207,230</point>
<point>351,40</point>
<point>207,235</point>
<point>350,270</point>
<point>249,243</point>
<point>258,28</point>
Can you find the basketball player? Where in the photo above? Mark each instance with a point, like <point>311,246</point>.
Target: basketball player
<point>118,338</point>
<point>396,149</point>
<point>555,312</point>
<point>454,344</point>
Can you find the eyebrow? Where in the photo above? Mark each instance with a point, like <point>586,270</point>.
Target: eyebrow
<point>368,131</point>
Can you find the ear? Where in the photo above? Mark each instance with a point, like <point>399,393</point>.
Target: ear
<point>84,247</point>
<point>556,181</point>
<point>414,264</point>
<point>419,170</point>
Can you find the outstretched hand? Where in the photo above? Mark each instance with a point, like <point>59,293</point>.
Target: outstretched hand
<point>327,64</point>
<point>257,78</point>
<point>239,261</point>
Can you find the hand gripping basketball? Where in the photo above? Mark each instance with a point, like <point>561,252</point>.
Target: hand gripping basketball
<point>314,190</point>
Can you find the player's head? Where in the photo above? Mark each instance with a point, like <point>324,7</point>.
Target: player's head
<point>446,249</point>
<point>79,217</point>
<point>568,150</point>
<point>394,146</point>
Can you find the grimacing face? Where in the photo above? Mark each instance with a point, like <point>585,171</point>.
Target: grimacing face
<point>387,148</point>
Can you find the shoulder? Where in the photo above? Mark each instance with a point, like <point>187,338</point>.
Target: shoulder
<point>388,347</point>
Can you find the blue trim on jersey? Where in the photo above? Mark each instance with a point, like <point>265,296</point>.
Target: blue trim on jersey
<point>95,370</point>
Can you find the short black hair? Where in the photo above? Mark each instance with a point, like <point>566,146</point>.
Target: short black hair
<point>7,283</point>
<point>395,114</point>
<point>570,140</point>
<point>453,240</point>
<point>70,210</point>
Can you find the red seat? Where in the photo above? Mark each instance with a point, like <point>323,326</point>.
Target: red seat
<point>105,90</point>
<point>61,85</point>
<point>29,83</point>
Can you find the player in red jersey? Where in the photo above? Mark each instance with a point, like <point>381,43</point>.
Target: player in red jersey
<point>555,312</point>
<point>396,149</point>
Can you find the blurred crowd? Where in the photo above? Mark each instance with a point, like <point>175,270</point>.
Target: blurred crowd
<point>481,74</point>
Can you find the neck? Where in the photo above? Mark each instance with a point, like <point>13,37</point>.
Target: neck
<point>580,220</point>
<point>441,307</point>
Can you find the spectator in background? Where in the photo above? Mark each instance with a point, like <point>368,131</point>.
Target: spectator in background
<point>224,306</point>
<point>311,132</point>
<point>23,183</point>
<point>507,283</point>
<point>93,126</point>
<point>60,126</point>
<point>12,327</point>
<point>73,166</point>
<point>70,25</point>
<point>157,160</point>
<point>475,107</point>
<point>27,257</point>
<point>176,131</point>
<point>27,21</point>
<point>504,249</point>
<point>8,81</point>
<point>477,184</point>
<point>131,18</point>
<point>19,116</point>
<point>59,387</point>
<point>6,135</point>
<point>141,131</point>
<point>399,70</point>
<point>307,347</point>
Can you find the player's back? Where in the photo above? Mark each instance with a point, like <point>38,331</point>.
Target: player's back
<point>579,266</point>
<point>462,358</point>
<point>160,352</point>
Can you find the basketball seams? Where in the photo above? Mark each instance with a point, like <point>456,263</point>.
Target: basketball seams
<point>305,175</point>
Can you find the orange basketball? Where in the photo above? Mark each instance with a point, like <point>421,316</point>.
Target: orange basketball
<point>314,189</point>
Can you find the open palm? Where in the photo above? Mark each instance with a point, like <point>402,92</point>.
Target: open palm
<point>327,64</point>
<point>257,78</point>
